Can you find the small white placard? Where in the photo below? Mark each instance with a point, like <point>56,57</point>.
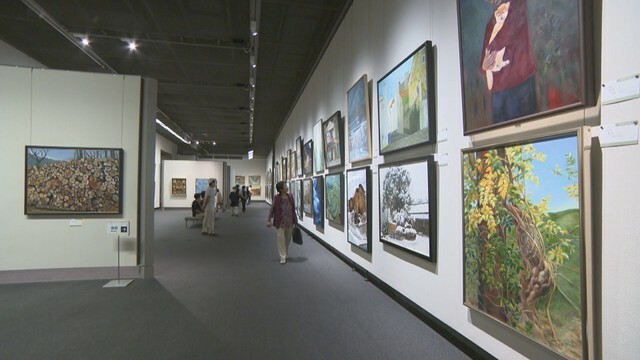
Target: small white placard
<point>621,90</point>
<point>619,134</point>
<point>442,159</point>
<point>118,227</point>
<point>75,222</point>
<point>442,135</point>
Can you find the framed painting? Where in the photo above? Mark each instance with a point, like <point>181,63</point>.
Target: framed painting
<point>299,146</point>
<point>408,206</point>
<point>359,121</point>
<point>307,196</point>
<point>298,197</point>
<point>333,147</point>
<point>179,186</point>
<point>524,239</point>
<point>359,208</point>
<point>255,182</point>
<point>285,169</point>
<point>406,102</point>
<point>73,180</point>
<point>240,180</point>
<point>318,150</point>
<point>307,158</point>
<point>318,201</point>
<point>277,177</point>
<point>294,164</point>
<point>201,185</point>
<point>519,60</point>
<point>334,195</point>
<point>290,162</point>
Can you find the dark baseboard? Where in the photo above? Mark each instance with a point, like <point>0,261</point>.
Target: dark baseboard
<point>458,340</point>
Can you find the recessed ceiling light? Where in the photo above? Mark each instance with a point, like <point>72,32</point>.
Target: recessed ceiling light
<point>85,41</point>
<point>132,45</point>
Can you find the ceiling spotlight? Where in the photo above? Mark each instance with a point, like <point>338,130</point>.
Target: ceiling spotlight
<point>85,41</point>
<point>254,28</point>
<point>132,45</point>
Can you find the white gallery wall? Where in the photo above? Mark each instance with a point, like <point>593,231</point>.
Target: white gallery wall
<point>246,168</point>
<point>68,109</point>
<point>374,37</point>
<point>190,170</point>
<point>162,145</point>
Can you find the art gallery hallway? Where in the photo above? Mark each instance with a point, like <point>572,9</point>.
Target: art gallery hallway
<point>220,297</point>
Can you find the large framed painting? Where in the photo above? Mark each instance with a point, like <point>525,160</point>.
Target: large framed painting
<point>406,102</point>
<point>73,181</point>
<point>333,147</point>
<point>240,180</point>
<point>525,239</point>
<point>291,162</point>
<point>359,121</point>
<point>334,196</point>
<point>294,164</point>
<point>318,151</point>
<point>298,196</point>
<point>408,206</point>
<point>255,182</point>
<point>307,196</point>
<point>179,186</point>
<point>277,173</point>
<point>318,201</point>
<point>201,185</point>
<point>299,146</point>
<point>307,158</point>
<point>359,208</point>
<point>519,60</point>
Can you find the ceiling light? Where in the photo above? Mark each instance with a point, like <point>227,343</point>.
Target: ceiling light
<point>132,45</point>
<point>85,41</point>
<point>254,28</point>
<point>172,132</point>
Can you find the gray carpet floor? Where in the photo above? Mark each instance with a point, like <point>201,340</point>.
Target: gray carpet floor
<point>218,297</point>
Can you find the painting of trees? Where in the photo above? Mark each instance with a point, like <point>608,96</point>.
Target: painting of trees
<point>522,239</point>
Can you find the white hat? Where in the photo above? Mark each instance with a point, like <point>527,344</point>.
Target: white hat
<point>211,181</point>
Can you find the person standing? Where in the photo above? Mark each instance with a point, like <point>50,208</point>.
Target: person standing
<point>243,198</point>
<point>234,198</point>
<point>209,205</point>
<point>282,216</point>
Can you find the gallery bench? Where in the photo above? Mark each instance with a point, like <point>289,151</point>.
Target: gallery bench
<point>194,219</point>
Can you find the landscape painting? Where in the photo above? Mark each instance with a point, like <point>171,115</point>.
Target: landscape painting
<point>359,208</point>
<point>334,194</point>
<point>406,102</point>
<point>318,150</point>
<point>318,201</point>
<point>66,180</point>
<point>407,206</point>
<point>519,60</point>
<point>359,121</point>
<point>523,239</point>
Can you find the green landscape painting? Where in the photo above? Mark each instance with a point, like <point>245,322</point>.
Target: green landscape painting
<point>523,241</point>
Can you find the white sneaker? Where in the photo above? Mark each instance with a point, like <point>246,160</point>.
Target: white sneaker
<point>283,261</point>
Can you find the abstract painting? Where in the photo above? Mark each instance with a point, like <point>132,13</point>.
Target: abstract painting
<point>201,185</point>
<point>318,201</point>
<point>334,194</point>
<point>178,186</point>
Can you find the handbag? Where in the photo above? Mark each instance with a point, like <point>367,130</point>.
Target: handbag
<point>296,234</point>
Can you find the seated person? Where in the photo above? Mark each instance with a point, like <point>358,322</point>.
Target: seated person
<point>196,206</point>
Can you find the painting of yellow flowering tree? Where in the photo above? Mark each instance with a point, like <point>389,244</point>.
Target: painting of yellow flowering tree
<point>523,240</point>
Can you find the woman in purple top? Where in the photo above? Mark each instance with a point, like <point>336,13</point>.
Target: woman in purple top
<point>282,215</point>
